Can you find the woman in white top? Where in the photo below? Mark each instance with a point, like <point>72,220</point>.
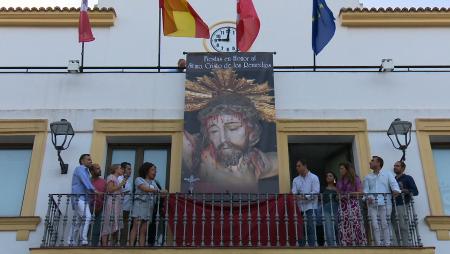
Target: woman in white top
<point>144,202</point>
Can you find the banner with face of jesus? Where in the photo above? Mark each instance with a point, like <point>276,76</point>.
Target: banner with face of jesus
<point>229,143</point>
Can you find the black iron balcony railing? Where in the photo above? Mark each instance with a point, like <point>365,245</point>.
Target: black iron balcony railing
<point>230,220</point>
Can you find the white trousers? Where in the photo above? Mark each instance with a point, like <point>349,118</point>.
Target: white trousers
<point>80,224</point>
<point>380,217</point>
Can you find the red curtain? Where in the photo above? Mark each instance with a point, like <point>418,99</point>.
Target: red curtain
<point>194,222</point>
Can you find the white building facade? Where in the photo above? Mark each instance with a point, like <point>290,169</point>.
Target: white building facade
<point>113,105</point>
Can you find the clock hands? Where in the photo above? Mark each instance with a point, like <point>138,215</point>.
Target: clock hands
<point>228,36</point>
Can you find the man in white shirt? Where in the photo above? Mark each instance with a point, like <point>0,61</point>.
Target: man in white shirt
<point>307,186</point>
<point>378,187</point>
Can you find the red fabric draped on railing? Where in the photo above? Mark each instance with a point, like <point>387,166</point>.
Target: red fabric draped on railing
<point>272,220</point>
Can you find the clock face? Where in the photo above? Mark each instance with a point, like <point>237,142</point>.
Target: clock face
<point>223,39</point>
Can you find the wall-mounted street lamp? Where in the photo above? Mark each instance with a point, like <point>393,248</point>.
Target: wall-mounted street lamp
<point>402,132</point>
<point>62,134</point>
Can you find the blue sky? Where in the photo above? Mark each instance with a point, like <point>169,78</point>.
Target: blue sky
<point>367,3</point>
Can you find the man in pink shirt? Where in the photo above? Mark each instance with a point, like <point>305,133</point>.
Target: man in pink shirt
<point>97,204</point>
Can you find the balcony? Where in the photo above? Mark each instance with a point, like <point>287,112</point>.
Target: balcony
<point>230,223</point>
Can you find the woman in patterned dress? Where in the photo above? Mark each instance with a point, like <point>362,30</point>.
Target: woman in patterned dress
<point>351,227</point>
<point>112,222</point>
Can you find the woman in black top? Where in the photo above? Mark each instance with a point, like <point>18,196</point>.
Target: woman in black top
<point>330,208</point>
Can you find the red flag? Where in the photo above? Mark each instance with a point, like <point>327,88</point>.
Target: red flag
<point>84,26</point>
<point>247,24</point>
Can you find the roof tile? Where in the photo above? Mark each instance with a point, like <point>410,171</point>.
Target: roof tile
<point>394,10</point>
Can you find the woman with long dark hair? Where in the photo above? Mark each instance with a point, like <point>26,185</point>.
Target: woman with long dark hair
<point>351,228</point>
<point>144,202</point>
<point>330,208</point>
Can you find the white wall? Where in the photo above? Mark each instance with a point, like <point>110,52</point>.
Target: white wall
<point>377,97</point>
<point>285,28</point>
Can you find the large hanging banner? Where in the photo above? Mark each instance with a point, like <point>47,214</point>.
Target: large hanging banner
<point>229,140</point>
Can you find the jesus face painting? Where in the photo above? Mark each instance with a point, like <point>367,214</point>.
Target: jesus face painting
<point>224,154</point>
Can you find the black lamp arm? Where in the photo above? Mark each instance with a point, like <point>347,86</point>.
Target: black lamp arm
<point>404,155</point>
<point>64,167</point>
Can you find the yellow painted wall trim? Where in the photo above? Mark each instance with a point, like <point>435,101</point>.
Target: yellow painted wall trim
<point>107,125</point>
<point>22,127</point>
<point>23,225</point>
<point>54,17</point>
<point>333,127</point>
<point>433,124</point>
<point>426,128</point>
<point>104,128</point>
<point>339,125</point>
<point>38,129</point>
<point>368,250</point>
<point>440,224</point>
<point>395,19</point>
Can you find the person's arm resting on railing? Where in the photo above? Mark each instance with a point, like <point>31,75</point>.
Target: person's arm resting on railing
<point>111,187</point>
<point>394,185</point>
<point>295,191</point>
<point>144,188</point>
<point>411,187</point>
<point>315,188</point>
<point>84,177</point>
<point>366,191</point>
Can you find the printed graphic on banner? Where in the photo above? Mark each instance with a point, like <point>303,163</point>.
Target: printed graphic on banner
<point>229,142</point>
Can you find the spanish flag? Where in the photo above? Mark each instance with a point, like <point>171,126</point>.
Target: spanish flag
<point>181,20</point>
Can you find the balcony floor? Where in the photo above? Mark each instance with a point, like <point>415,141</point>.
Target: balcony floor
<point>318,250</point>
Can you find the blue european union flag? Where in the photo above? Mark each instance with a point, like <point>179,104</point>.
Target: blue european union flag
<point>323,26</point>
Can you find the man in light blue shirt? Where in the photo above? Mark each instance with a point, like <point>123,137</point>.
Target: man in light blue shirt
<point>81,186</point>
<point>307,186</point>
<point>378,187</point>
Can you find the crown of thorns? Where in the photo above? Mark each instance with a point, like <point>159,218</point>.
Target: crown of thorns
<point>225,82</point>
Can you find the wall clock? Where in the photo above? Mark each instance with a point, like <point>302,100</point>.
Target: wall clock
<point>223,37</point>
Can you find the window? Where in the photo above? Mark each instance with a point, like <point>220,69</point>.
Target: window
<point>15,163</point>
<point>160,157</point>
<point>137,154</point>
<point>441,157</point>
<point>143,132</point>
<point>333,141</point>
<point>322,153</point>
<point>433,136</point>
<point>22,149</point>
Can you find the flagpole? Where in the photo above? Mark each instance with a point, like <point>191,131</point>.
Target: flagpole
<point>314,61</point>
<point>159,39</point>
<point>82,57</point>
